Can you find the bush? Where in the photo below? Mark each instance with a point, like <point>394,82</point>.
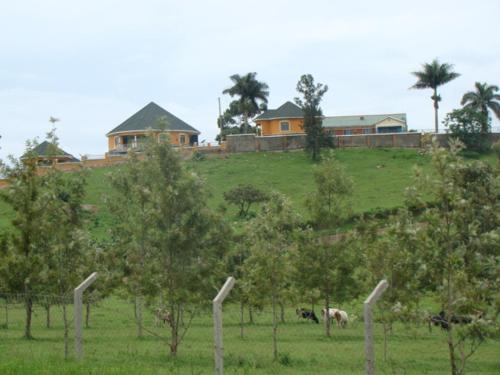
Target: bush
<point>472,128</point>
<point>496,149</point>
<point>198,156</point>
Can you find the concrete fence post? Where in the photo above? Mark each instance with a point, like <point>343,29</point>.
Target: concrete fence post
<point>217,312</point>
<point>368,318</point>
<point>78,312</point>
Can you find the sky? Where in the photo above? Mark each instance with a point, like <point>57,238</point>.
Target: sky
<point>94,63</point>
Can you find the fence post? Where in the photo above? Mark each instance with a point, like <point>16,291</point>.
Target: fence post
<point>217,312</point>
<point>78,307</point>
<point>368,318</point>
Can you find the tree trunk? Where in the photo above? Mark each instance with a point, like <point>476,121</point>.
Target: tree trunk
<point>275,329</point>
<point>451,349</point>
<point>282,312</point>
<point>47,310</point>
<point>138,315</point>
<point>327,316</point>
<point>6,314</point>
<point>241,318</point>
<point>250,314</point>
<point>87,315</point>
<point>29,312</point>
<point>66,331</point>
<point>436,106</point>
<point>174,342</point>
<point>386,328</point>
<point>245,123</point>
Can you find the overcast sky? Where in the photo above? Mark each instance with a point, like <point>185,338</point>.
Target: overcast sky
<point>93,63</point>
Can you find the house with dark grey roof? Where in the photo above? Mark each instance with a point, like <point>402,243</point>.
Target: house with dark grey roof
<point>289,119</point>
<point>47,153</point>
<point>152,119</point>
<point>286,119</point>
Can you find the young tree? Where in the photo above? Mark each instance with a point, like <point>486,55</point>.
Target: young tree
<point>132,205</point>
<point>67,244</point>
<point>243,196</point>
<point>22,267</point>
<point>329,203</point>
<point>313,123</point>
<point>330,266</point>
<point>268,266</point>
<point>181,248</point>
<point>250,92</point>
<point>459,246</point>
<point>432,76</point>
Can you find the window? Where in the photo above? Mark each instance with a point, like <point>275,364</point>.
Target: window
<point>285,126</point>
<point>367,131</point>
<point>348,132</point>
<point>182,139</point>
<point>118,141</point>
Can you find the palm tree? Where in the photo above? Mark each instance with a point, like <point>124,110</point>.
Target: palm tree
<point>432,76</point>
<point>482,99</point>
<point>249,91</point>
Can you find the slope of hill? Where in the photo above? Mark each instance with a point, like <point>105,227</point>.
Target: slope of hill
<point>380,177</point>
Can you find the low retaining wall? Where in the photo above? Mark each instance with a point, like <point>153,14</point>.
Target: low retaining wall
<point>251,142</point>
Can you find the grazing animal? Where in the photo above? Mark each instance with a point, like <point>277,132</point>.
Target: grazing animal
<point>307,314</point>
<point>441,320</point>
<point>162,316</point>
<point>339,315</point>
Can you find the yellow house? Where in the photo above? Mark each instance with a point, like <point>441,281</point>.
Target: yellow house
<point>287,119</point>
<point>131,133</point>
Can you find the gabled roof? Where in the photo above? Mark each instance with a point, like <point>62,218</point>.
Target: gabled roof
<point>360,120</point>
<point>149,117</point>
<point>287,110</point>
<point>45,149</point>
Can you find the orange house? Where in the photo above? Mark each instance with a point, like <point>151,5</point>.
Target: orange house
<point>287,119</point>
<point>131,133</point>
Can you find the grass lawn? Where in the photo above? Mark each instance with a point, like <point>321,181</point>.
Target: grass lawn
<point>112,348</point>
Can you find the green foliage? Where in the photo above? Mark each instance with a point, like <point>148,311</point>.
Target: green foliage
<point>313,125</point>
<point>471,127</point>
<point>329,204</point>
<point>243,196</point>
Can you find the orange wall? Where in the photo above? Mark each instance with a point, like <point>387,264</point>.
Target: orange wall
<point>272,127</point>
<point>174,138</point>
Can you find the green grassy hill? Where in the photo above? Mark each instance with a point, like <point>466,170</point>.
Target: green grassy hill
<point>380,177</point>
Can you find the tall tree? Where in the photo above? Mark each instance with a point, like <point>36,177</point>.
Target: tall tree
<point>484,98</point>
<point>250,92</point>
<point>313,123</point>
<point>432,76</point>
